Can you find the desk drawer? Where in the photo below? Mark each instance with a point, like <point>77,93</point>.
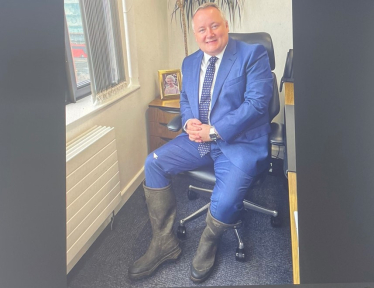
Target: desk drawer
<point>161,115</point>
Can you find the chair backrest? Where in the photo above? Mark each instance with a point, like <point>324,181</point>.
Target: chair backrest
<point>264,39</point>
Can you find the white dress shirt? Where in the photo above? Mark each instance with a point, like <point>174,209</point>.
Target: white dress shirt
<point>203,67</point>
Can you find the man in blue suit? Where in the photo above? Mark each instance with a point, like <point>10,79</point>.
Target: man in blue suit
<point>227,86</point>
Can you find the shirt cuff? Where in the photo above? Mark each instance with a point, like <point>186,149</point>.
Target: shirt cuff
<point>185,124</point>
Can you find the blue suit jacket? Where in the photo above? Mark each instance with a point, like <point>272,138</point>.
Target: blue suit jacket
<point>239,105</point>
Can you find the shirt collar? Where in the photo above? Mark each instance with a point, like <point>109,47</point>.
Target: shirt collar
<point>219,56</point>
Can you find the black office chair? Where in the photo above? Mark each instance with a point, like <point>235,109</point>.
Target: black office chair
<point>206,174</point>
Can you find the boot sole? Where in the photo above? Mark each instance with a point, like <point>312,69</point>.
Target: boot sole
<point>207,275</point>
<point>195,280</point>
<point>172,256</point>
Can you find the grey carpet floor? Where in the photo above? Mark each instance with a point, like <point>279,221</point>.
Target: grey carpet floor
<point>268,249</point>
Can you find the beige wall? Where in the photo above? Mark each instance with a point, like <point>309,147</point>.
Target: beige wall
<point>271,16</point>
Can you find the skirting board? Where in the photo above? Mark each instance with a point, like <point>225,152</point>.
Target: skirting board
<point>126,194</point>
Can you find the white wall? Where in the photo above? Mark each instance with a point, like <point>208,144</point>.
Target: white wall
<point>271,16</point>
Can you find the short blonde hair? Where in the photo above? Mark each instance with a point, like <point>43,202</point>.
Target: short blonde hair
<point>170,77</point>
<point>205,6</point>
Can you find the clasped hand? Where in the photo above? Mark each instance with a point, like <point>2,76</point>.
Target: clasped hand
<point>197,131</point>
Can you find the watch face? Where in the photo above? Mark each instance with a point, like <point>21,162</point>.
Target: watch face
<point>212,134</point>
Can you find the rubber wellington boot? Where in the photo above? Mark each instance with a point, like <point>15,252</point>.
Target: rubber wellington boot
<point>203,262</point>
<point>164,245</point>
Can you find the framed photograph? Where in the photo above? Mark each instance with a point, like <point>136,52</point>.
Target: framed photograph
<point>170,83</point>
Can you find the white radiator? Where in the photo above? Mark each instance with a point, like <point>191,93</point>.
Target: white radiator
<point>92,185</point>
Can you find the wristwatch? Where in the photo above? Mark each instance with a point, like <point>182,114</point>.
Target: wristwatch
<point>213,134</point>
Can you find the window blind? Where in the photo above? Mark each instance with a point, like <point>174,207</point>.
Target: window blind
<point>102,28</point>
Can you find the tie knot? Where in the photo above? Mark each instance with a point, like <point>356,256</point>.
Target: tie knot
<point>213,60</point>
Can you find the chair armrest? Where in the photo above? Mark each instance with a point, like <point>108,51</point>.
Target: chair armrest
<point>175,124</point>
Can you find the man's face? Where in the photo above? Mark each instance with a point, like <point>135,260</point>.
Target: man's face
<point>211,31</point>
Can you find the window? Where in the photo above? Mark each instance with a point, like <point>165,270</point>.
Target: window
<point>96,61</point>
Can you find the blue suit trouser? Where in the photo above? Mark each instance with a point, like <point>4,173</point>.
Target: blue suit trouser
<point>181,154</point>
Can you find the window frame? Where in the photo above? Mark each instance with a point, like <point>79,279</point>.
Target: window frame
<point>76,91</point>
<point>87,105</point>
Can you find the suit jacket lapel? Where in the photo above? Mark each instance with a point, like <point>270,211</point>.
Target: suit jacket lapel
<point>228,60</point>
<point>194,100</point>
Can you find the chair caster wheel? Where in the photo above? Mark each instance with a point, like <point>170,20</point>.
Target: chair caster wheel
<point>181,232</point>
<point>240,255</point>
<point>192,195</point>
<point>275,221</point>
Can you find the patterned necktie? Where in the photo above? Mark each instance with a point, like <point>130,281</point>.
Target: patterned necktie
<point>204,104</point>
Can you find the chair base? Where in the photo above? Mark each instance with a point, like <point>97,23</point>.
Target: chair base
<point>247,204</point>
<point>240,254</point>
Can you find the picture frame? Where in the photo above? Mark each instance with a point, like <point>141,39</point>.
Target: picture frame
<point>170,82</point>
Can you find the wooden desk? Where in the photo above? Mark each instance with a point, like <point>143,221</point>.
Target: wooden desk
<point>291,155</point>
<point>160,112</point>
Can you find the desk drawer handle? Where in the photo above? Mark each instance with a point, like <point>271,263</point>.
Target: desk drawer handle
<point>165,139</point>
<point>168,110</point>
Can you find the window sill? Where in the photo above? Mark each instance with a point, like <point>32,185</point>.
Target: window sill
<point>79,111</point>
